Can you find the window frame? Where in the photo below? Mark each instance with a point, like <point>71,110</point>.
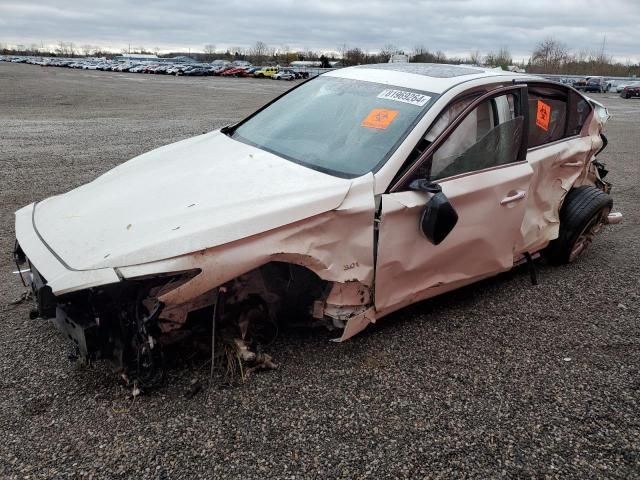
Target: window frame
<point>518,90</point>
<point>568,91</point>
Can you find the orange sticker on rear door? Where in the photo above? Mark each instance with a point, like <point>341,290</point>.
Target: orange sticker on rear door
<point>379,118</point>
<point>543,115</point>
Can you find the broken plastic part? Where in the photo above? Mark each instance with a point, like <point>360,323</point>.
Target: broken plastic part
<point>614,218</point>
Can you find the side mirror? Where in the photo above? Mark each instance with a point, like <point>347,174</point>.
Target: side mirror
<point>438,216</point>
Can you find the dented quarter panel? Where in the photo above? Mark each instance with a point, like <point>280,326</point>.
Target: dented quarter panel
<point>557,168</point>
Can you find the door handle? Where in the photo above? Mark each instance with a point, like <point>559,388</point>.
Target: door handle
<point>513,197</point>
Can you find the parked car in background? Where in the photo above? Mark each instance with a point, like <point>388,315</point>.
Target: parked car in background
<point>581,83</point>
<point>352,196</point>
<point>596,84</point>
<point>221,63</point>
<point>234,72</point>
<point>631,90</point>
<point>197,71</point>
<point>624,83</point>
<point>284,74</point>
<point>251,71</point>
<point>265,72</point>
<point>220,69</point>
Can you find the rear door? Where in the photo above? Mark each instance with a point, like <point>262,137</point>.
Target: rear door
<point>559,149</point>
<point>478,158</point>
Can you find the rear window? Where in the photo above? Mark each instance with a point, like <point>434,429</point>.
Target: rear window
<point>555,113</point>
<point>547,115</point>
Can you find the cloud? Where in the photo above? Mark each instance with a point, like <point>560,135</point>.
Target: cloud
<point>455,26</point>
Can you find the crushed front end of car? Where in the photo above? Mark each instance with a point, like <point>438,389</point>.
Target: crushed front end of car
<point>117,322</point>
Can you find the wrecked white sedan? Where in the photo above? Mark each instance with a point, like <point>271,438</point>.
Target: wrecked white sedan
<point>349,197</point>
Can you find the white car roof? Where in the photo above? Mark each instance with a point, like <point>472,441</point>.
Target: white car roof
<point>430,77</point>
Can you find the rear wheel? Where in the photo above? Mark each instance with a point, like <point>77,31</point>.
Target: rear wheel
<point>582,216</point>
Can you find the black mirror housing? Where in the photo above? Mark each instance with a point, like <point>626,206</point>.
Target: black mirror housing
<point>438,216</point>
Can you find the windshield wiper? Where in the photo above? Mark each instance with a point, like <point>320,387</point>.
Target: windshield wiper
<point>229,129</point>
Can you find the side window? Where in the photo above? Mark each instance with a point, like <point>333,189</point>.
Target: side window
<point>490,135</point>
<point>579,110</point>
<point>547,115</point>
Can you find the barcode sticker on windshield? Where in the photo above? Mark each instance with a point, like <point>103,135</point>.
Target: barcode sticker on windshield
<point>405,97</point>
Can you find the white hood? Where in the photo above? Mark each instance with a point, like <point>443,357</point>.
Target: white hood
<point>191,195</point>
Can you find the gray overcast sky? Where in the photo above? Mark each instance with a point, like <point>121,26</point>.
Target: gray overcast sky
<point>454,26</point>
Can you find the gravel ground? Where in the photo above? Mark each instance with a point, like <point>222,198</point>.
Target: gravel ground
<point>500,379</point>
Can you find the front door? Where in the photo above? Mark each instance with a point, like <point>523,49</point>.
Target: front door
<point>479,163</point>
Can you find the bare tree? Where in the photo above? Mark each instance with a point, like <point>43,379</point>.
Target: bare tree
<point>272,53</point>
<point>475,57</point>
<point>61,48</point>
<point>342,50</point>
<point>285,55</point>
<point>386,52</point>
<point>355,56</point>
<point>210,51</point>
<point>419,50</point>
<point>421,54</point>
<point>259,52</point>
<point>86,50</point>
<point>500,59</point>
<point>549,55</point>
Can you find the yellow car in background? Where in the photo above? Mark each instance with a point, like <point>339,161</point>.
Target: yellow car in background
<point>266,72</point>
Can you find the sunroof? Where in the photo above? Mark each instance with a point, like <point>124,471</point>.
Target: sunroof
<point>427,69</point>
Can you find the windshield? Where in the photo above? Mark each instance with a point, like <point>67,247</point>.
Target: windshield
<point>339,126</point>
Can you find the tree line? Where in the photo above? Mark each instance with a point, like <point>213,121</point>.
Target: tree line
<point>549,56</point>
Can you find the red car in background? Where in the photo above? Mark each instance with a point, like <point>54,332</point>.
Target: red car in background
<point>235,72</point>
<point>631,90</point>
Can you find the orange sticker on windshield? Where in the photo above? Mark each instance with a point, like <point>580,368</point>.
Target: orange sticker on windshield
<point>543,115</point>
<point>379,118</point>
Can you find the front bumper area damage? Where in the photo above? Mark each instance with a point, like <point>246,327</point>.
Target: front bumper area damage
<point>131,323</point>
<point>229,301</point>
<point>116,322</point>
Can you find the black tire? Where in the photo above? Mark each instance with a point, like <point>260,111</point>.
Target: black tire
<point>581,216</point>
